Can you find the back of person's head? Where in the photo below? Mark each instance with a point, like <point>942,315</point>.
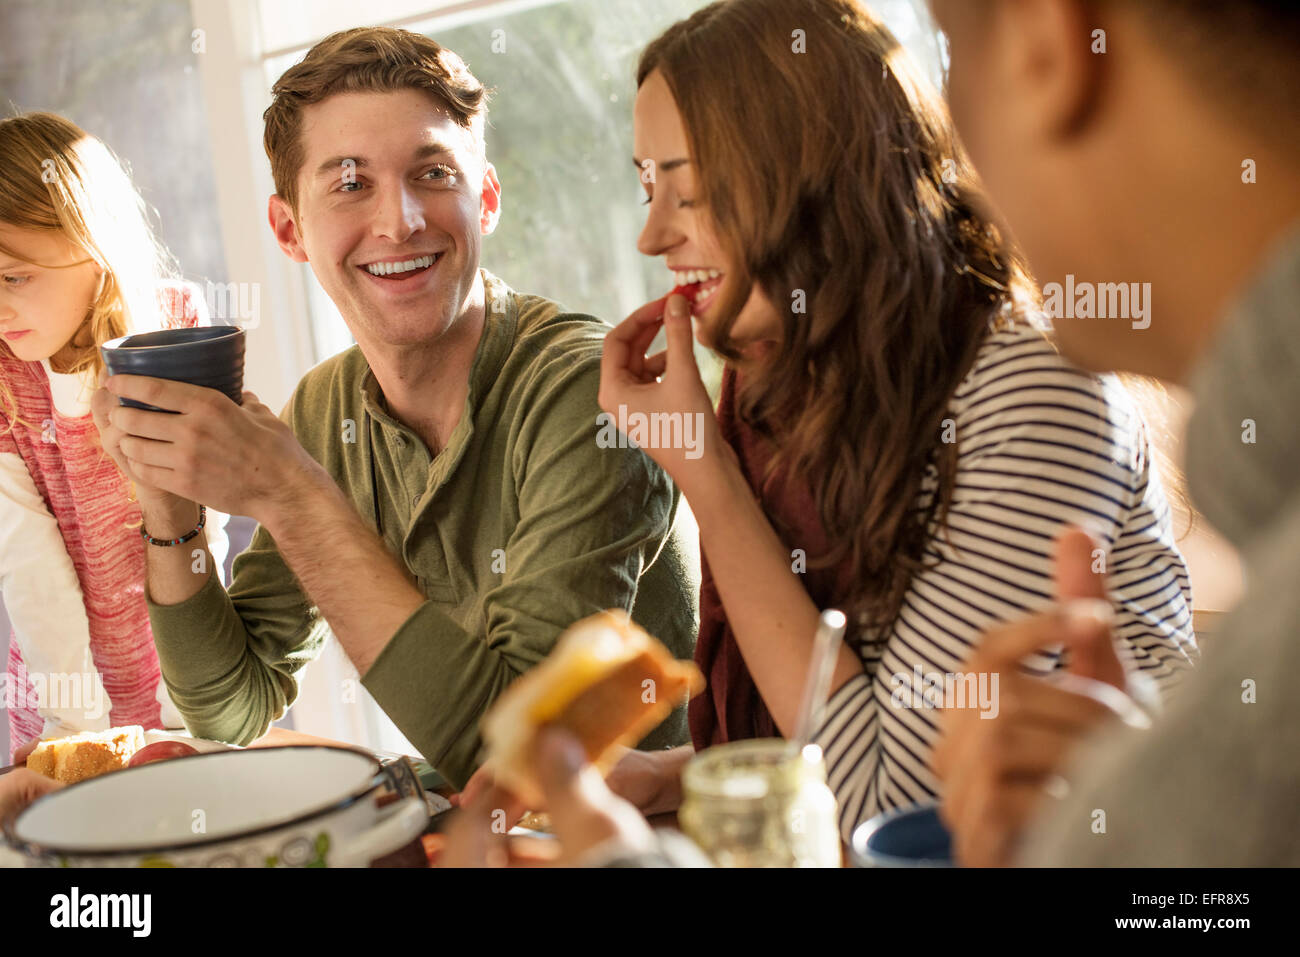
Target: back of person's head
<point>828,167</point>
<point>57,177</point>
<point>365,60</point>
<point>1243,55</point>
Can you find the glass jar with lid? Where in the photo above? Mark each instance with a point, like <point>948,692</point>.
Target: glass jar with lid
<point>761,803</point>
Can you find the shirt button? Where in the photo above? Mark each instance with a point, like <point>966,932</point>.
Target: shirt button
<point>415,501</point>
<point>401,440</point>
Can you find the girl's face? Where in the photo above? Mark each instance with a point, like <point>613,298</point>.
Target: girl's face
<point>42,307</point>
<point>681,231</point>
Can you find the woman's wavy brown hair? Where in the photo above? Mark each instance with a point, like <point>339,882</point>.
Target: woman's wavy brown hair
<point>829,167</point>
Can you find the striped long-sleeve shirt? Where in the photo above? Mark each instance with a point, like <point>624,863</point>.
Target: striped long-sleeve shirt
<point>1040,445</point>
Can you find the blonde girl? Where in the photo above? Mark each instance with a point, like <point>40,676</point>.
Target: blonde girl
<point>79,266</point>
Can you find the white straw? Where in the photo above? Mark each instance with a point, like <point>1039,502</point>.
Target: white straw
<point>817,687</point>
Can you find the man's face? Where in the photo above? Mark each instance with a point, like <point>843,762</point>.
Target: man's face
<point>389,180</point>
<point>1017,86</point>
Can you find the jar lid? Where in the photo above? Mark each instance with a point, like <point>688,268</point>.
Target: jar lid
<point>752,770</point>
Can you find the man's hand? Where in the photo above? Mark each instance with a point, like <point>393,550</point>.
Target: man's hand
<point>996,771</point>
<point>20,788</point>
<point>584,812</point>
<point>649,780</point>
<point>241,460</point>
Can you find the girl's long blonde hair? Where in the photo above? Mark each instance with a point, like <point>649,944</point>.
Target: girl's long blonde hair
<point>55,176</point>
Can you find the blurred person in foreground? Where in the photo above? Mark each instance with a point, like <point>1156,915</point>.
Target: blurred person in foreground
<point>898,260</point>
<point>1170,159</point>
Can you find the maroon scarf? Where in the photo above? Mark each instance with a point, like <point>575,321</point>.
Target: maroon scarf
<point>730,707</point>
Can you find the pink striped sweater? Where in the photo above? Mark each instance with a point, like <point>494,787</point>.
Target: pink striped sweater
<point>89,499</point>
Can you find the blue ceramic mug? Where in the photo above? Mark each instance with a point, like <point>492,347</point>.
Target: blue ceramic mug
<point>210,356</point>
<point>905,837</point>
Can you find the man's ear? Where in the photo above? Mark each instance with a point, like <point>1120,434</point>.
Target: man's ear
<point>280,216</point>
<point>1056,53</point>
<point>490,204</point>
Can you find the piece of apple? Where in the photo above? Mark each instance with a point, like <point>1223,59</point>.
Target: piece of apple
<point>160,751</point>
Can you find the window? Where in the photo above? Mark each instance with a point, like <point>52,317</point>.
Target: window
<point>560,136</point>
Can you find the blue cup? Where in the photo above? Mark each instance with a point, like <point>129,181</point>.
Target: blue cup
<point>209,356</point>
<point>905,837</point>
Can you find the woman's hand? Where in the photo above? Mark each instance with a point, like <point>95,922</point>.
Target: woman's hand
<point>660,400</point>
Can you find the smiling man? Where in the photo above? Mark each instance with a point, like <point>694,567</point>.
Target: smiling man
<point>434,496</point>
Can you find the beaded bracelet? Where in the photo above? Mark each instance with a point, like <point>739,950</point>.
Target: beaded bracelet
<point>203,517</point>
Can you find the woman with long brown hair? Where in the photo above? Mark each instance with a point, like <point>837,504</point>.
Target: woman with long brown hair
<point>893,437</point>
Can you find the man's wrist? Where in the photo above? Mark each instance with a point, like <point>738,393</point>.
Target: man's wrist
<point>668,765</point>
<point>169,518</point>
<point>306,491</point>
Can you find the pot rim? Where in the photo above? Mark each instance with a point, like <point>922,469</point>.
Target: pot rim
<point>34,849</point>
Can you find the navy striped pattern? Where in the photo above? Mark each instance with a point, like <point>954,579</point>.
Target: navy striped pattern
<point>1041,445</point>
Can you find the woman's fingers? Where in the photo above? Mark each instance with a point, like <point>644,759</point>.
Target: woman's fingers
<point>584,812</point>
<point>681,338</point>
<point>656,365</point>
<point>1031,736</point>
<point>638,347</point>
<point>21,787</point>
<point>616,362</point>
<point>630,328</point>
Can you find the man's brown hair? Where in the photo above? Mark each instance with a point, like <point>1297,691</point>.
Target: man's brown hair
<point>370,60</point>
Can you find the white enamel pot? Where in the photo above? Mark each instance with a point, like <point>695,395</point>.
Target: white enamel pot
<point>259,807</point>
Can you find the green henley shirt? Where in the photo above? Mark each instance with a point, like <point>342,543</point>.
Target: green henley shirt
<point>522,525</point>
